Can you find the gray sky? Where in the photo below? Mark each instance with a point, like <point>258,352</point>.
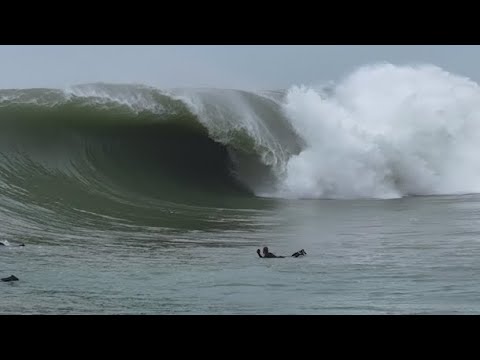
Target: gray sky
<point>244,67</point>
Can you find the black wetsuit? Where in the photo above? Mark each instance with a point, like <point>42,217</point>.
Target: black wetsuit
<point>299,253</point>
<point>270,255</point>
<point>10,278</point>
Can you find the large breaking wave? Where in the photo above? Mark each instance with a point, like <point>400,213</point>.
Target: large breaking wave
<point>384,131</point>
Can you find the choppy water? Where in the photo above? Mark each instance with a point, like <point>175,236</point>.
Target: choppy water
<point>404,256</point>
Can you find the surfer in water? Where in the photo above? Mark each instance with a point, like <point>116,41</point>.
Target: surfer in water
<point>267,254</point>
<point>6,243</point>
<point>10,278</point>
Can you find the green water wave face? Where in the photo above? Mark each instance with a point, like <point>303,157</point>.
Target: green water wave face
<point>127,150</point>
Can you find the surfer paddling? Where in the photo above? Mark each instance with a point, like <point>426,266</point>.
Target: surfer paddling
<point>267,254</point>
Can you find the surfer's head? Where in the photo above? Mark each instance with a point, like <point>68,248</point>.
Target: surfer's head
<point>265,250</point>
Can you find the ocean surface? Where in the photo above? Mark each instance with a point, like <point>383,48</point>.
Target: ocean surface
<point>137,200</point>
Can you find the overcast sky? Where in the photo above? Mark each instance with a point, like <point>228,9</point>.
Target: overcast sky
<point>244,67</point>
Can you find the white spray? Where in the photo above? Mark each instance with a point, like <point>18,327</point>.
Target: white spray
<point>386,132</point>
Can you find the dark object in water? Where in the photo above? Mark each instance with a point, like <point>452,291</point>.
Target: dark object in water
<point>267,254</point>
<point>6,243</point>
<point>10,278</point>
<point>299,253</point>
